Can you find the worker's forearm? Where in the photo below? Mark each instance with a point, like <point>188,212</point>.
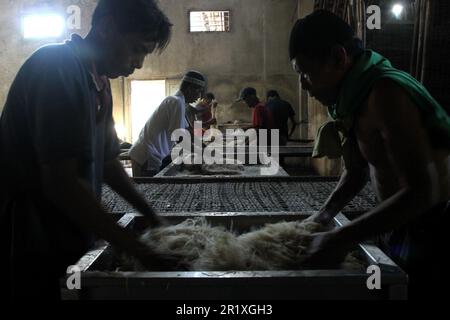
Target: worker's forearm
<point>117,178</point>
<point>392,213</point>
<point>348,187</point>
<point>294,126</point>
<point>76,201</point>
<point>292,131</point>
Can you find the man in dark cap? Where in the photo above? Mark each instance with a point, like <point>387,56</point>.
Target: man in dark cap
<point>262,117</point>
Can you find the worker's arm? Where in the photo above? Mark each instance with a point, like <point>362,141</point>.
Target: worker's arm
<point>117,178</point>
<point>409,150</point>
<point>294,125</point>
<point>211,121</point>
<point>73,198</point>
<point>353,179</point>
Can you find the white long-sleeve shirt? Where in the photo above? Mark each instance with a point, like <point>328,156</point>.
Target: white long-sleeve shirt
<point>154,143</point>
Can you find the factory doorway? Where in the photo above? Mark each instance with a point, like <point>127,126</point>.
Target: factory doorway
<point>146,96</point>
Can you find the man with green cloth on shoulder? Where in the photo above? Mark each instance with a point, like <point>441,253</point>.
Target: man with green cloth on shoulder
<point>386,126</point>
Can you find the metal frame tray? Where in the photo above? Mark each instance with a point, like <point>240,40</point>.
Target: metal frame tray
<point>177,171</point>
<point>264,285</point>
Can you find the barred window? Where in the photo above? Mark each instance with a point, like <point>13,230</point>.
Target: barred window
<point>209,21</point>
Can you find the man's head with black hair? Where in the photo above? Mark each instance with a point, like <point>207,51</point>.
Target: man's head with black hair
<point>249,96</point>
<point>317,34</point>
<point>192,86</point>
<point>272,94</point>
<point>322,49</point>
<point>125,32</point>
<point>210,96</point>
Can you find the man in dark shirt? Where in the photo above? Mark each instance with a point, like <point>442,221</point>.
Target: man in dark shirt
<point>59,144</point>
<point>281,112</point>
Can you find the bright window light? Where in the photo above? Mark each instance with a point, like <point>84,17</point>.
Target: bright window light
<point>121,131</point>
<point>146,96</point>
<point>397,10</point>
<point>43,26</point>
<point>209,21</point>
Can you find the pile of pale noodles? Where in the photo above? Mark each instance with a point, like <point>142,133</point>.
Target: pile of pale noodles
<point>280,246</point>
<point>222,169</point>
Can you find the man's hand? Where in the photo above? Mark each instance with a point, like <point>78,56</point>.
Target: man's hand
<point>326,251</point>
<point>119,181</point>
<point>322,217</point>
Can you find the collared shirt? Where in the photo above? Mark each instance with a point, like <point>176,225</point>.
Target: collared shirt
<point>154,142</point>
<point>105,142</point>
<point>58,108</point>
<point>262,117</point>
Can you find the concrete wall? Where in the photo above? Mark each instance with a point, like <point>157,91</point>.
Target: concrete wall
<point>314,113</point>
<point>14,50</point>
<point>254,53</point>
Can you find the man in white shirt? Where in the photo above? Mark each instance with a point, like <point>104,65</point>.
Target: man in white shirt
<point>154,143</point>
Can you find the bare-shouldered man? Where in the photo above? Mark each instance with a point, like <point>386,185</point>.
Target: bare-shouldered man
<point>395,133</point>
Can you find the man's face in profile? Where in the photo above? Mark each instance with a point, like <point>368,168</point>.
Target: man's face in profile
<point>127,53</point>
<point>321,78</point>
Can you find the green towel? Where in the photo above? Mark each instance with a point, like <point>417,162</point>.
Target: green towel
<point>369,68</point>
